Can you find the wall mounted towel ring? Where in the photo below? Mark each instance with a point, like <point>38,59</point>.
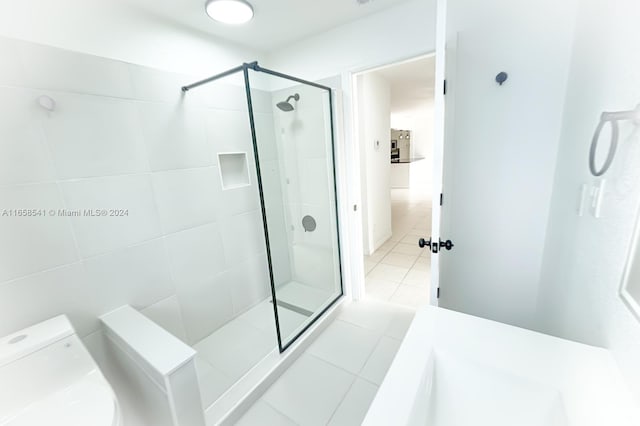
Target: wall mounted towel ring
<point>612,118</point>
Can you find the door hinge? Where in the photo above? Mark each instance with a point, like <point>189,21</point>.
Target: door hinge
<point>441,196</point>
<point>438,293</point>
<point>444,90</point>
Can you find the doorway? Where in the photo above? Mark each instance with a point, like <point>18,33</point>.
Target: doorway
<point>394,128</point>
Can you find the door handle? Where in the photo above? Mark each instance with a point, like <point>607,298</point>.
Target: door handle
<point>435,246</point>
<point>446,244</point>
<point>424,243</point>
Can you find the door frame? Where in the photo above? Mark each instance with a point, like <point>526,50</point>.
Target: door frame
<point>353,157</point>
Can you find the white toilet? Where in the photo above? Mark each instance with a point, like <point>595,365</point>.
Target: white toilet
<point>47,377</point>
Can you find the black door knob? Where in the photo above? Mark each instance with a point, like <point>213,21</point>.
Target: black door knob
<point>424,243</point>
<point>446,244</point>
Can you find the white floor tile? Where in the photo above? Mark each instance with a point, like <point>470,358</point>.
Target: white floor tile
<point>376,257</point>
<point>309,391</point>
<point>380,289</point>
<point>370,314</point>
<point>262,414</point>
<point>410,249</point>
<point>303,296</point>
<point>213,382</point>
<point>411,296</point>
<point>262,317</point>
<point>398,259</point>
<point>423,263</point>
<point>400,323</point>
<point>369,265</point>
<point>388,272</point>
<point>380,360</point>
<point>387,246</point>
<point>355,405</point>
<point>345,345</point>
<point>411,238</point>
<point>417,277</point>
<point>235,348</point>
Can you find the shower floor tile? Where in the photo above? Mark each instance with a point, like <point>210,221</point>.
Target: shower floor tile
<point>303,296</point>
<point>317,389</point>
<point>235,348</point>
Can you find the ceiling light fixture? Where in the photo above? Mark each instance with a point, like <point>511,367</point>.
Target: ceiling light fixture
<point>232,12</point>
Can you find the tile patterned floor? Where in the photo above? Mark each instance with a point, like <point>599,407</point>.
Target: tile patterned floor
<point>336,378</point>
<point>400,271</point>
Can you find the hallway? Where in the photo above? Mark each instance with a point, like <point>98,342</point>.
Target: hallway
<point>399,271</point>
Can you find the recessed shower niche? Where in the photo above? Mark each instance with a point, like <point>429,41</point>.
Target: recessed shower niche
<point>234,172</point>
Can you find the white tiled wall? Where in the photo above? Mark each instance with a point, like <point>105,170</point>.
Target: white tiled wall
<point>189,254</point>
<point>305,176</point>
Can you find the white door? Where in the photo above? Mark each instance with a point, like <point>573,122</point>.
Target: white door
<point>438,146</point>
<point>499,165</point>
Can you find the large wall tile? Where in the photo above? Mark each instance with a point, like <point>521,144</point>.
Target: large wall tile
<point>161,86</point>
<point>38,297</point>
<point>137,276</point>
<point>263,101</point>
<point>228,131</point>
<point>33,244</point>
<point>95,136</point>
<point>11,71</point>
<point>97,235</point>
<point>266,137</point>
<point>195,254</point>
<point>58,69</point>
<point>243,237</point>
<point>315,185</point>
<point>315,266</point>
<point>24,155</point>
<point>168,315</point>
<point>187,198</point>
<point>239,200</point>
<point>174,136</point>
<point>225,94</point>
<point>206,305</point>
<point>249,283</point>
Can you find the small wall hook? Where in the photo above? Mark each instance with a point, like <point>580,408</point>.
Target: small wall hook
<point>47,102</point>
<point>501,77</point>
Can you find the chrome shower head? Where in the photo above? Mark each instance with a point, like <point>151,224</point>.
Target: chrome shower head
<point>286,105</point>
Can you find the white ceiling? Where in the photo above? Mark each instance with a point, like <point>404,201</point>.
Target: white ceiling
<point>412,83</point>
<point>276,22</point>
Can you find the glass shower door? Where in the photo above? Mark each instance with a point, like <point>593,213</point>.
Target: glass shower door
<point>294,150</point>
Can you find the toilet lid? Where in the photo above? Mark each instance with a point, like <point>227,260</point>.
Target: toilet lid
<point>88,401</point>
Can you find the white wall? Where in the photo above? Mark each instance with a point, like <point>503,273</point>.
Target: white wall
<point>500,156</point>
<point>189,254</point>
<point>402,32</point>
<point>116,29</point>
<point>584,256</point>
<point>420,121</point>
<point>374,100</point>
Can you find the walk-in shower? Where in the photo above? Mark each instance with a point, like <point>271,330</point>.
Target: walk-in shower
<point>294,161</point>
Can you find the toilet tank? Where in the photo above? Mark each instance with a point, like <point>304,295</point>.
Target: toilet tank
<point>39,360</point>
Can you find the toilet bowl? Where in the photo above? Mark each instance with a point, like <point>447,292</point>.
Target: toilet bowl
<point>47,377</point>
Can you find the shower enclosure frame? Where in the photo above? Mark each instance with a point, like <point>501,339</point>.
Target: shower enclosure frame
<point>245,71</point>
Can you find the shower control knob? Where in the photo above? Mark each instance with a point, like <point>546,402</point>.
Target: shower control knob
<point>424,243</point>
